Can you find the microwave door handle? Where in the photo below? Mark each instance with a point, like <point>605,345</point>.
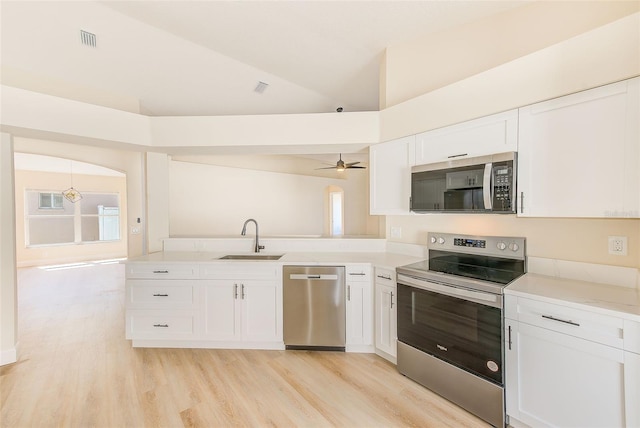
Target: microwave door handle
<point>487,190</point>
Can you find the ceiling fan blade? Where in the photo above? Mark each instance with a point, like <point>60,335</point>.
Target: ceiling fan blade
<point>351,163</point>
<point>359,167</point>
<point>328,167</point>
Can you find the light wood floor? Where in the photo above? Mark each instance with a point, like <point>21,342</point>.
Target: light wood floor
<point>75,369</point>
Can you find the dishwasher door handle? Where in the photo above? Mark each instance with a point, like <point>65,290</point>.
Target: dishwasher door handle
<point>306,277</point>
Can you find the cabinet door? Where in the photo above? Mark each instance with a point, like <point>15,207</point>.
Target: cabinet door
<point>359,313</point>
<point>632,388</point>
<point>554,379</point>
<point>386,330</point>
<point>390,176</point>
<point>578,155</point>
<point>487,135</point>
<point>221,310</point>
<point>261,311</point>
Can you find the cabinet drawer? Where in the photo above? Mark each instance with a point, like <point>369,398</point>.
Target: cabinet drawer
<point>150,294</point>
<point>152,324</point>
<point>358,273</point>
<point>595,327</point>
<point>162,271</point>
<point>385,276</point>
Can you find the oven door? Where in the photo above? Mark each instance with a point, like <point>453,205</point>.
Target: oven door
<point>462,327</point>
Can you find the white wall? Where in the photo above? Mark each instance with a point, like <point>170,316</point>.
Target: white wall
<point>8,294</point>
<point>437,60</point>
<point>157,191</point>
<point>215,200</point>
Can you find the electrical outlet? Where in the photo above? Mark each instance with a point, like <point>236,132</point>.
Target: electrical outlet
<point>135,230</point>
<point>618,245</point>
<point>396,232</point>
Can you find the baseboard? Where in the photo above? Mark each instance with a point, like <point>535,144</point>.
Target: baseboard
<point>9,356</point>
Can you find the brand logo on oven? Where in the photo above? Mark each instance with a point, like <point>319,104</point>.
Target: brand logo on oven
<point>442,348</point>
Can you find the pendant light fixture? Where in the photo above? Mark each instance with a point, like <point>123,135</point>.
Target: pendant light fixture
<point>71,194</point>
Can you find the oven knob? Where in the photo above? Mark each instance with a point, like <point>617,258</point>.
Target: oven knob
<point>440,240</point>
<point>433,239</point>
<point>514,247</point>
<point>501,245</point>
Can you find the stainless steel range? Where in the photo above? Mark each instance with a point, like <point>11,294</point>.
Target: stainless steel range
<point>450,321</point>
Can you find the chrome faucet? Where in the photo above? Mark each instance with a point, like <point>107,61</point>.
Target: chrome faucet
<point>258,247</point>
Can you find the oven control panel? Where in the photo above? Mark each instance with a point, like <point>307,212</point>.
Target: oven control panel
<point>500,246</point>
<point>464,242</point>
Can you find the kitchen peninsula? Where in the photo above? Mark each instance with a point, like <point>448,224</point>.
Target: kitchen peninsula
<point>188,296</point>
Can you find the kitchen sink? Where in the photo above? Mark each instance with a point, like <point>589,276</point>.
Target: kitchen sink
<point>251,257</point>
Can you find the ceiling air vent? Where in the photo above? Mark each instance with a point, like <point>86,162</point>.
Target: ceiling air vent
<point>87,38</point>
<point>260,87</point>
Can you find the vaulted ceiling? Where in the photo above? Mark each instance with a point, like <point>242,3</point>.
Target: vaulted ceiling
<point>207,57</point>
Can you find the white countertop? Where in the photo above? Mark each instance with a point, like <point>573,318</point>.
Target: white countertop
<point>606,299</point>
<point>380,259</point>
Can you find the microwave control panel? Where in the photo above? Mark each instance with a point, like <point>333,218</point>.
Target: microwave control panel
<point>502,178</point>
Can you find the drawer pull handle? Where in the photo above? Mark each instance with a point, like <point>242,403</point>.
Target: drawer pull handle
<point>160,271</point>
<point>391,300</point>
<point>384,277</point>
<point>160,295</point>
<point>161,325</point>
<point>552,318</point>
<point>357,273</point>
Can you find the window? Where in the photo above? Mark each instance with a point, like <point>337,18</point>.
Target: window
<point>53,220</point>
<point>100,215</point>
<point>336,226</point>
<point>50,201</point>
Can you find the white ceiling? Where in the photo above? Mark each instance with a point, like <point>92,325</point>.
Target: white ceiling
<point>175,58</point>
<point>206,57</point>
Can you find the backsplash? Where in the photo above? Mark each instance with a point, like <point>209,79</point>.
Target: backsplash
<point>591,272</point>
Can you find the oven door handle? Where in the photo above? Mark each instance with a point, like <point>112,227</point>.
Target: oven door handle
<point>487,299</point>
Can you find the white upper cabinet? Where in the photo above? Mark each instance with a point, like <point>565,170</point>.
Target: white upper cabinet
<point>579,155</point>
<point>390,180</point>
<point>487,135</point>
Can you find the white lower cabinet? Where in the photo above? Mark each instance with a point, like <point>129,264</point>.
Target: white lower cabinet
<point>242,310</point>
<point>221,310</point>
<point>359,309</point>
<point>161,309</point>
<point>386,332</point>
<point>575,375</point>
<point>209,308</point>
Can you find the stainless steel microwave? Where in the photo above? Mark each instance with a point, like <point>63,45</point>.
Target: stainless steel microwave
<point>483,184</point>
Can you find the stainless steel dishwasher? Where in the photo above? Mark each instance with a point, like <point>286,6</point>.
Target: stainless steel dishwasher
<point>314,307</point>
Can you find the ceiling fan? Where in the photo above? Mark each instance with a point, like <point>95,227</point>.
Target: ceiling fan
<point>341,166</point>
